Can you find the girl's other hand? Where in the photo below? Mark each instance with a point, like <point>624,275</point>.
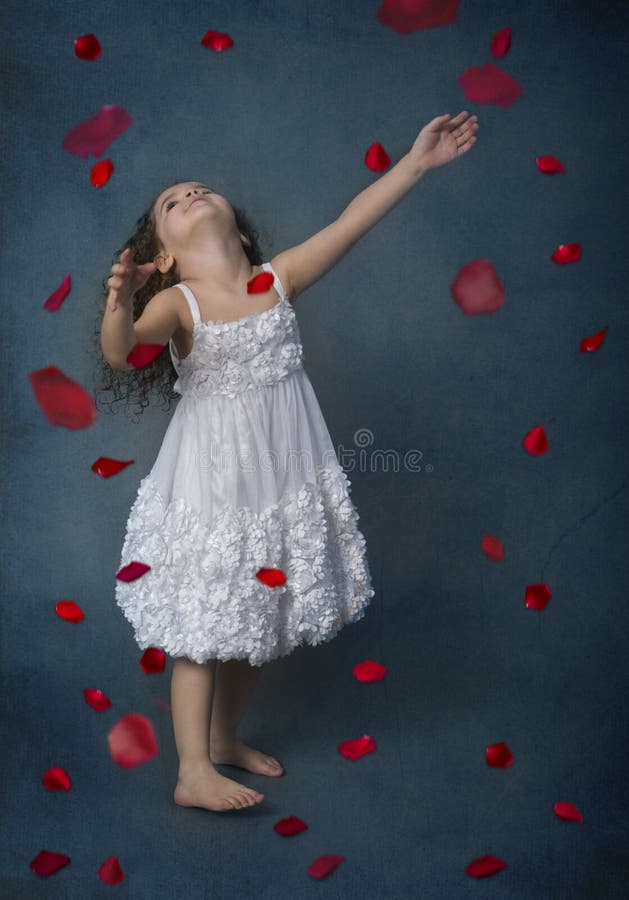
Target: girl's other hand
<point>127,278</point>
<point>443,139</point>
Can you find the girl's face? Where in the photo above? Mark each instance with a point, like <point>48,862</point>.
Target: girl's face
<point>176,207</point>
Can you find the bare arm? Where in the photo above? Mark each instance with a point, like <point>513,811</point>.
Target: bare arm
<point>156,325</point>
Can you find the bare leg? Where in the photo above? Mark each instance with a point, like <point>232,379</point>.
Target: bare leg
<point>199,784</point>
<point>235,682</point>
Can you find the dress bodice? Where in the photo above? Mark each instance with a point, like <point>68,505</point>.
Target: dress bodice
<point>239,355</point>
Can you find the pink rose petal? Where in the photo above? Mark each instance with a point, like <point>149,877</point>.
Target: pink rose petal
<point>406,16</point>
<point>289,826</point>
<point>490,84</point>
<point>500,43</point>
<point>96,699</point>
<point>537,596</point>
<point>566,253</point>
<point>216,40</point>
<point>593,341</point>
<point>535,441</point>
<point>132,571</point>
<point>498,756</point>
<point>550,165</point>
<point>56,779</point>
<point>271,577</point>
<point>368,670</point>
<point>323,865</point>
<point>568,811</point>
<point>485,866</point>
<point>354,749</point>
<point>110,872</point>
<point>132,741</point>
<point>94,135</point>
<point>142,355</point>
<point>47,862</point>
<point>100,173</point>
<point>62,400</point>
<point>492,547</point>
<point>477,288</point>
<point>69,611</point>
<point>376,158</point>
<point>105,466</point>
<point>87,46</point>
<point>57,297</point>
<point>153,661</point>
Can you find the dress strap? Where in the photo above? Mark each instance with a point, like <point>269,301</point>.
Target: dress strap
<point>279,287</point>
<point>192,302</point>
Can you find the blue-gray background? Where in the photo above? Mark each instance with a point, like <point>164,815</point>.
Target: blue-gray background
<point>280,124</point>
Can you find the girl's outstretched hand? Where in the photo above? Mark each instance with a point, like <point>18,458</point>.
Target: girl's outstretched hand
<point>127,278</point>
<point>443,139</point>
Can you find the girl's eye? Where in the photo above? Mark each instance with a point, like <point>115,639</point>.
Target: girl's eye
<point>172,202</point>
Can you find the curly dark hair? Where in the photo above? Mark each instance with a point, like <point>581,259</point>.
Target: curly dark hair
<point>161,374</point>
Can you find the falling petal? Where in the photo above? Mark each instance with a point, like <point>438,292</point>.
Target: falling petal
<point>289,826</point>
<point>489,84</point>
<point>485,866</point>
<point>537,596</point>
<point>57,297</point>
<point>354,749</point>
<point>568,811</point>
<point>535,441</point>
<point>566,253</point>
<point>376,158</point>
<point>132,741</point>
<point>62,400</point>
<point>406,16</point>
<point>46,862</point>
<point>216,40</point>
<point>492,547</point>
<point>96,699</point>
<point>500,43</point>
<point>498,756</point>
<point>323,865</point>
<point>105,466</point>
<point>87,46</point>
<point>477,288</point>
<point>69,611</point>
<point>56,779</point>
<point>142,355</point>
<point>153,661</point>
<point>593,341</point>
<point>110,872</point>
<point>164,705</point>
<point>94,135</point>
<point>368,670</point>
<point>271,577</point>
<point>550,165</point>
<point>100,173</point>
<point>260,283</point>
<point>132,571</point>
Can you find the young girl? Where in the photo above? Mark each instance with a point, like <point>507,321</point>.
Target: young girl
<point>247,477</point>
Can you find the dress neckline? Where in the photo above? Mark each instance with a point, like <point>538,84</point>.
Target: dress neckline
<point>212,322</point>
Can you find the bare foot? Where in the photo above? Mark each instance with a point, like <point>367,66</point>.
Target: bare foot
<point>203,786</point>
<point>235,753</point>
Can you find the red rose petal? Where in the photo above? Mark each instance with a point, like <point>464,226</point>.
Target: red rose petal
<point>142,355</point>
<point>87,47</point>
<point>153,661</point>
<point>69,611</point>
<point>376,158</point>
<point>289,826</point>
<point>271,577</point>
<point>368,670</point>
<point>405,17</point>
<point>354,749</point>
<point>56,779</point>
<point>500,43</point>
<point>46,862</point>
<point>260,283</point>
<point>477,288</point>
<point>485,866</point>
<point>159,702</point>
<point>550,165</point>
<point>492,547</point>
<point>110,872</point>
<point>537,596</point>
<point>216,40</point>
<point>96,699</point>
<point>323,865</point>
<point>498,756</point>
<point>100,173</point>
<point>568,811</point>
<point>566,253</point>
<point>57,297</point>
<point>132,741</point>
<point>489,84</point>
<point>105,466</point>
<point>94,135</point>
<point>132,571</point>
<point>62,400</point>
<point>593,341</point>
<point>535,441</point>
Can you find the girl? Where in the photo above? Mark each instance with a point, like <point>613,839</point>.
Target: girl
<point>225,497</point>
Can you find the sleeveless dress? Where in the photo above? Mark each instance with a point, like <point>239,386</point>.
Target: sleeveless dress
<point>246,478</point>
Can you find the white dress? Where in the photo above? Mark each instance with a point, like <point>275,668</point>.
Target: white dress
<point>246,478</point>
